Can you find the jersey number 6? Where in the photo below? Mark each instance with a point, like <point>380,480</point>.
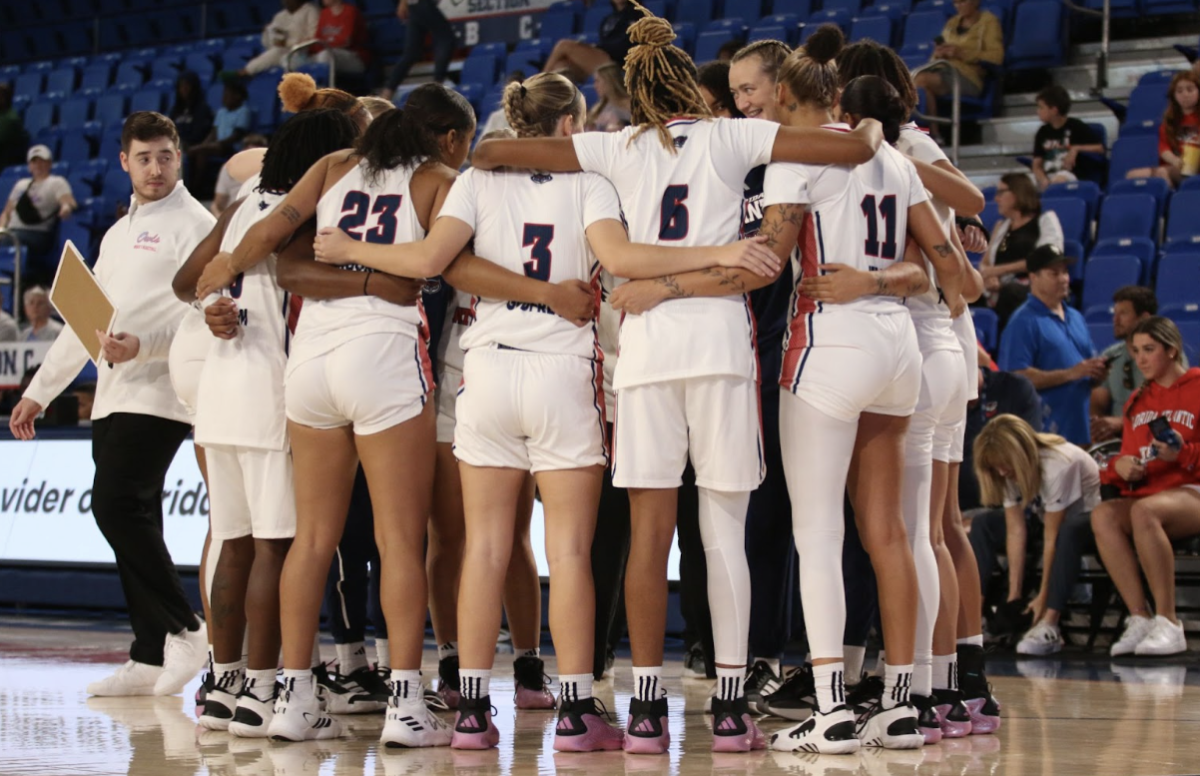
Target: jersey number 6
<point>673,220</point>
<point>538,237</point>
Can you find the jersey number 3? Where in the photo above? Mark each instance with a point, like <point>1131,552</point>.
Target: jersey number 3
<point>357,206</point>
<point>537,237</point>
<point>886,211</point>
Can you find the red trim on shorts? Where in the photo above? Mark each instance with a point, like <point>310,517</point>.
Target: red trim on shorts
<point>797,339</point>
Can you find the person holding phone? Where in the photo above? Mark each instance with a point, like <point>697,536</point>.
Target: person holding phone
<point>970,36</point>
<point>1157,473</point>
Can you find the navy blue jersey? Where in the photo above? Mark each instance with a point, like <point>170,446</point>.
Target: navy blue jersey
<point>436,297</point>
<point>770,303</point>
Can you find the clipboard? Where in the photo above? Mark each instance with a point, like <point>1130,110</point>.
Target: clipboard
<point>82,301</point>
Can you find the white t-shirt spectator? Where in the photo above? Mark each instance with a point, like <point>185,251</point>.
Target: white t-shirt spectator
<point>1069,474</point>
<point>46,196</point>
<point>8,328</point>
<point>292,27</point>
<point>47,333</point>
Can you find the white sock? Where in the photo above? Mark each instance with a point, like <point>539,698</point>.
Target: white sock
<point>853,658</point>
<point>351,657</point>
<point>773,662</point>
<point>316,653</point>
<point>261,683</point>
<point>475,682</point>
<point>829,679</point>
<point>922,681</point>
<point>647,683</point>
<point>897,682</point>
<point>229,676</point>
<point>535,652</point>
<point>729,683</point>
<point>299,682</point>
<point>575,687</point>
<point>406,685</point>
<point>449,649</point>
<point>945,672</point>
<point>383,656</point>
<point>973,641</point>
<point>211,662</point>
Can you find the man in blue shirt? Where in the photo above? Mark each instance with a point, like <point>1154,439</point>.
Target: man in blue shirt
<point>1048,342</point>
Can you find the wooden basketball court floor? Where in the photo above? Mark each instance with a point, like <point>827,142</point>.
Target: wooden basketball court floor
<point>1076,715</point>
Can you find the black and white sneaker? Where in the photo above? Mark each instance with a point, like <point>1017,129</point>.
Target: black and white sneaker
<point>449,689</point>
<point>796,697</point>
<point>253,716</point>
<point>761,681</point>
<point>301,720</point>
<point>821,733</point>
<point>410,724</point>
<point>894,728</point>
<point>207,683</point>
<point>219,706</point>
<point>346,695</point>
<point>694,664</point>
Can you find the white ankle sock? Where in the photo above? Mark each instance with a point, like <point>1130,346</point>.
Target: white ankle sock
<point>922,681</point>
<point>299,682</point>
<point>974,641</point>
<point>535,652</point>
<point>575,687</point>
<point>945,672</point>
<point>773,662</point>
<point>406,685</point>
<point>261,683</point>
<point>229,676</point>
<point>449,649</point>
<point>351,657</point>
<point>475,682</point>
<point>897,682</point>
<point>829,679</point>
<point>647,683</point>
<point>729,683</point>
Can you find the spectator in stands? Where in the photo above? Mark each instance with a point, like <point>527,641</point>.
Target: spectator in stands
<point>611,112</point>
<point>1024,227</point>
<point>191,113</point>
<point>1025,470</point>
<point>41,328</point>
<point>13,137</point>
<point>227,188</point>
<point>295,24</point>
<point>579,60</point>
<point>713,80</point>
<point>422,17</point>
<point>970,36</point>
<point>1047,341</point>
<point>1157,472</point>
<point>1131,306</point>
<point>343,35</point>
<point>1060,141</point>
<point>233,122</point>
<point>1000,393</point>
<point>8,327</point>
<point>36,204</point>
<point>1180,128</point>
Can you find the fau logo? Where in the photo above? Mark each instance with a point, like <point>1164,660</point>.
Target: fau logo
<point>541,177</point>
<point>146,237</point>
<point>679,141</point>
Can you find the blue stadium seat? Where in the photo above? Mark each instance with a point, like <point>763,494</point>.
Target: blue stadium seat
<point>789,23</point>
<point>1188,312</point>
<point>29,85</point>
<point>944,7</point>
<point>480,68</point>
<point>768,32</point>
<point>896,10</point>
<point>1178,280</point>
<point>1102,334</point>
<point>1130,153</point>
<point>799,8</point>
<point>1160,77</point>
<point>63,80</point>
<point>1127,215</point>
<point>233,18</point>
<point>876,28</point>
<point>97,76</point>
<point>1191,183</point>
<point>697,12</point>
<point>987,327</point>
<point>117,186</point>
<point>235,57</point>
<point>839,16</point>
<point>386,36</point>
<point>1041,42</point>
<point>81,189</point>
<point>1147,101</point>
<point>202,65</point>
<point>1183,225</point>
<point>1074,248</point>
<point>921,28</point>
<point>1141,247</point>
<point>1103,275</point>
<point>1072,215</point>
<point>166,67</point>
<point>662,10</point>
<point>1155,187</point>
<point>75,146</point>
<point>685,36</point>
<point>148,99</point>
<point>528,62</point>
<point>213,95</point>
<point>135,30</point>
<point>851,6</point>
<point>557,22</point>
<point>1085,190</point>
<point>111,108</point>
<point>709,43</point>
<point>96,169</point>
<point>1119,9</point>
<point>39,116</point>
<point>131,73</point>
<point>264,100</point>
<point>595,16</point>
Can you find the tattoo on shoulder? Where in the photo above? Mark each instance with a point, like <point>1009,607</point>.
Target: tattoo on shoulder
<point>291,214</point>
<point>674,290</point>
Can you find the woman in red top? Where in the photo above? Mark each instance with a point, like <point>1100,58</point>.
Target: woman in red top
<point>1180,125</point>
<point>344,34</point>
<point>1160,490</point>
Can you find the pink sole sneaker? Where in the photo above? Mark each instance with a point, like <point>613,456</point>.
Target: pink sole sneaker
<point>952,728</point>
<point>449,697</point>
<point>932,735</point>
<point>534,700</point>
<point>600,737</point>
<point>468,739</point>
<point>752,740</point>
<point>981,724</point>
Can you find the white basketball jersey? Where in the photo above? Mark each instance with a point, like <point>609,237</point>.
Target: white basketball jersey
<point>241,386</point>
<point>534,224</point>
<point>376,211</point>
<point>459,316</point>
<point>916,143</point>
<point>692,197</point>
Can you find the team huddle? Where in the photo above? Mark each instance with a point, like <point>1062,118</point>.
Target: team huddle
<point>550,227</point>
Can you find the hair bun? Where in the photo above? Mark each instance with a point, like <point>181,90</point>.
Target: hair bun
<point>651,31</point>
<point>296,91</point>
<point>824,44</point>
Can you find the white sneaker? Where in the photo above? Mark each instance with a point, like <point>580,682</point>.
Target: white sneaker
<point>184,654</point>
<point>1166,638</point>
<point>130,679</point>
<point>301,720</point>
<point>410,724</point>
<point>219,707</point>
<point>253,717</point>
<point>1136,629</point>
<point>831,733</point>
<point>894,728</point>
<point>1042,639</point>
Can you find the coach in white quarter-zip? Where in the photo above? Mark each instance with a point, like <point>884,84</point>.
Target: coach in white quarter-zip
<point>138,422</point>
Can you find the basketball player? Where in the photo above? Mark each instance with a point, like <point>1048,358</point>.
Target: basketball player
<point>138,422</point>
<point>686,377</point>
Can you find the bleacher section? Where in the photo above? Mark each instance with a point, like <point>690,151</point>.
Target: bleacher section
<point>78,67</point>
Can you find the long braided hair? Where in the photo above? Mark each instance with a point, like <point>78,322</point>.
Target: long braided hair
<point>660,78</point>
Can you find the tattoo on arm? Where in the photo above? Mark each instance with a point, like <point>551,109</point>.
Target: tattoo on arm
<point>674,290</point>
<point>943,249</point>
<point>291,214</point>
<point>887,284</point>
<point>777,218</point>
<point>727,277</point>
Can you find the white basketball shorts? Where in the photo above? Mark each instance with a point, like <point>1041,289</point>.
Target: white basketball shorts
<point>251,492</point>
<point>446,396</point>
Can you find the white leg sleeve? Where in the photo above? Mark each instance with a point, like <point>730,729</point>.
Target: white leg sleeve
<point>816,458</point>
<point>918,482</point>
<point>723,532</point>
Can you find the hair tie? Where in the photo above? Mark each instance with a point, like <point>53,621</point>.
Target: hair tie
<point>523,90</point>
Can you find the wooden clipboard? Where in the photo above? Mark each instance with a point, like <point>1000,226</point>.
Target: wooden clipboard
<point>82,301</point>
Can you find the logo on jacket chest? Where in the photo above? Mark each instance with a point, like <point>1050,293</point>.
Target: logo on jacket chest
<point>147,242</point>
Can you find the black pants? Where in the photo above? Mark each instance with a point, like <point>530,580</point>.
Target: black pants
<point>770,546</point>
<point>352,589</point>
<point>610,552</point>
<point>132,454</point>
<point>424,18</point>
